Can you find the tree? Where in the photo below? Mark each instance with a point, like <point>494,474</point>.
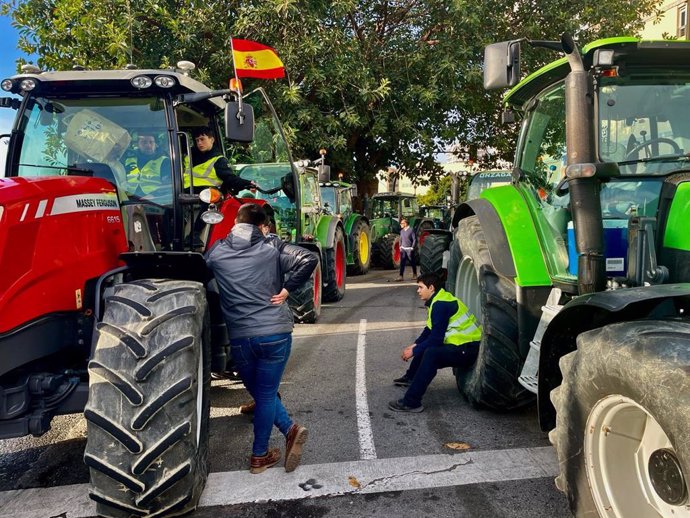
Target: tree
<point>377,82</point>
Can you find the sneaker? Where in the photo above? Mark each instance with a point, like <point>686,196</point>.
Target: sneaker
<point>259,464</point>
<point>399,406</point>
<point>296,437</point>
<point>403,381</point>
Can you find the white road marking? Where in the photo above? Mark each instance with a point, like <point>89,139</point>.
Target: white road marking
<point>366,436</point>
<point>357,477</point>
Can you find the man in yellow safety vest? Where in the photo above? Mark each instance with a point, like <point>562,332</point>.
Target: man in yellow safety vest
<point>449,339</point>
<point>147,168</point>
<point>210,167</point>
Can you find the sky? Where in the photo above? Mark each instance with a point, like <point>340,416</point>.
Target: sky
<point>8,42</point>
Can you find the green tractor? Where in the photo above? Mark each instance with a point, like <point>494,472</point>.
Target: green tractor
<point>387,209</point>
<point>337,196</point>
<point>578,271</point>
<point>299,204</point>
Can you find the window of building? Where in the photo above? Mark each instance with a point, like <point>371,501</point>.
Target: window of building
<point>683,21</point>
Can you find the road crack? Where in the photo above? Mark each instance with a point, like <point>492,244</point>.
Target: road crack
<point>364,485</point>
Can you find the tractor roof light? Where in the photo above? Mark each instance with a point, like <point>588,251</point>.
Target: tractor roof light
<point>28,84</point>
<point>7,85</point>
<point>580,170</point>
<point>235,85</point>
<point>141,82</point>
<point>210,195</point>
<point>164,81</point>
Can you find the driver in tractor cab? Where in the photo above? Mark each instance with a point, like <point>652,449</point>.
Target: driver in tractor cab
<point>211,168</point>
<point>147,168</point>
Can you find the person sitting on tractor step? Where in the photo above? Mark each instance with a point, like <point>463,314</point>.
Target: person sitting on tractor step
<point>211,168</point>
<point>408,240</point>
<point>449,339</point>
<point>147,168</point>
<point>250,269</point>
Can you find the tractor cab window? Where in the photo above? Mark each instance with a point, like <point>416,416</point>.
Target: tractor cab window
<point>385,208</point>
<point>267,162</point>
<point>644,123</point>
<point>344,201</point>
<point>123,140</point>
<point>328,193</point>
<point>409,207</point>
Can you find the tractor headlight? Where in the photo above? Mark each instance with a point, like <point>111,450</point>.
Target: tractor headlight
<point>27,84</point>
<point>141,82</point>
<point>210,195</point>
<point>164,81</point>
<point>580,170</point>
<point>7,85</point>
<point>212,216</point>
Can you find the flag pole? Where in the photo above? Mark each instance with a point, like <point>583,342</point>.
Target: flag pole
<point>240,113</point>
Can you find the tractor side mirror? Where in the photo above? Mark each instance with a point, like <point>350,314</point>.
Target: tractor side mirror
<point>501,64</point>
<point>239,122</point>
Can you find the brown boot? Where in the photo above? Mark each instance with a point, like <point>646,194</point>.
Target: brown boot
<point>261,464</point>
<point>296,437</point>
<point>248,408</point>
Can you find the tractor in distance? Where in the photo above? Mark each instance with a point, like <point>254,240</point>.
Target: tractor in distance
<point>578,270</point>
<point>434,252</point>
<point>387,209</point>
<point>106,301</point>
<point>318,226</point>
<point>337,197</point>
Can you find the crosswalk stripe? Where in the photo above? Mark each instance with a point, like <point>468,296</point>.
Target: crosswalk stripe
<point>356,477</point>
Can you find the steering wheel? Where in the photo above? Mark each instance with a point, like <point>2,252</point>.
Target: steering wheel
<point>635,150</point>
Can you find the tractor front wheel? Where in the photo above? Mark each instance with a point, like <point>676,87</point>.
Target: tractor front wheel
<point>305,301</point>
<point>361,250</point>
<point>623,419</point>
<point>148,408</point>
<point>336,265</point>
<point>492,381</point>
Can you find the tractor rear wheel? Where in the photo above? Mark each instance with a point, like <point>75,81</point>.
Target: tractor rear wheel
<point>148,409</point>
<point>305,301</point>
<point>336,265</point>
<point>389,252</point>
<point>361,248</point>
<point>492,381</point>
<point>622,421</point>
<point>431,252</point>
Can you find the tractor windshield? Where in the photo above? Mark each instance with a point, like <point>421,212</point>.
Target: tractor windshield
<point>645,123</point>
<point>328,193</point>
<point>121,139</point>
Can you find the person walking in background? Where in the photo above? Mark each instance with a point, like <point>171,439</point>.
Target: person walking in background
<point>449,339</point>
<point>250,269</point>
<point>408,240</point>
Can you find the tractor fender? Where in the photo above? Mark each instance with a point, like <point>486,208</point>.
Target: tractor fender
<point>325,230</point>
<point>596,310</point>
<point>510,235</point>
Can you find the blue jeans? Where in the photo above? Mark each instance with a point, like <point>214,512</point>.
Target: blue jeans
<point>405,257</point>
<point>425,366</point>
<point>260,361</point>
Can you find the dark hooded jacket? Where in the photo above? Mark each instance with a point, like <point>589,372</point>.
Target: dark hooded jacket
<point>250,268</point>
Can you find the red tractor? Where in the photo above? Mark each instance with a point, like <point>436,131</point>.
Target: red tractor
<point>106,303</point>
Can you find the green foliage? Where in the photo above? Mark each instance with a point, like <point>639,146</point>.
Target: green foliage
<point>377,83</point>
<point>440,190</point>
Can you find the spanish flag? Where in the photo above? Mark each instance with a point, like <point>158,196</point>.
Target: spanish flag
<point>253,59</point>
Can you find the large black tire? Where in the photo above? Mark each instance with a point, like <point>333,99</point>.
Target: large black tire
<point>148,408</point>
<point>389,252</point>
<point>492,382</point>
<point>305,301</point>
<point>423,231</point>
<point>336,266</point>
<point>361,248</point>
<point>623,384</point>
<point>431,254</point>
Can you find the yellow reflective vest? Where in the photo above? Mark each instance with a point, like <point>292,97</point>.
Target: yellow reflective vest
<point>204,173</point>
<point>462,325</point>
<point>147,178</point>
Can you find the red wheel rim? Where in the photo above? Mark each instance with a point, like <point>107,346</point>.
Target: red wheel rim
<point>317,286</point>
<point>340,264</point>
<point>396,251</point>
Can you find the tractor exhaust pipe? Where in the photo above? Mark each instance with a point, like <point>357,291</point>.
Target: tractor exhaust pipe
<point>585,203</point>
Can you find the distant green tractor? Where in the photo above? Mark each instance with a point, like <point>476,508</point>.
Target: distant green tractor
<point>298,205</point>
<point>387,209</point>
<point>337,201</point>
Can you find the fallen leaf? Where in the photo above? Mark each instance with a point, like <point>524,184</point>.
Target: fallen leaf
<point>457,445</point>
<point>354,482</point>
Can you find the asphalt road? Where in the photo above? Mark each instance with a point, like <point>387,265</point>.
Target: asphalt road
<point>361,458</point>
